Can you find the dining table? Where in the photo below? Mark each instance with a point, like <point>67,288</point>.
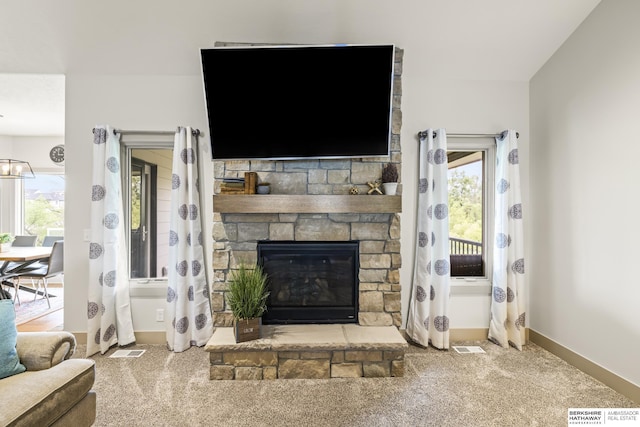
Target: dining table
<point>24,256</point>
<point>18,259</point>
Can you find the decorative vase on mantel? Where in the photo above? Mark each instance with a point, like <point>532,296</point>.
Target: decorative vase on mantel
<point>390,188</point>
<point>263,188</point>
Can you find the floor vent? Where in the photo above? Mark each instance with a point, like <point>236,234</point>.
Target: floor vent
<point>128,353</point>
<point>464,349</point>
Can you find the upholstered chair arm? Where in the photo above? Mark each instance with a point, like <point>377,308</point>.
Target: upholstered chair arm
<point>42,350</point>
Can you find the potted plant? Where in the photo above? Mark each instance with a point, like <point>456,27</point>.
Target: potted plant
<point>248,301</point>
<point>390,179</point>
<point>5,242</point>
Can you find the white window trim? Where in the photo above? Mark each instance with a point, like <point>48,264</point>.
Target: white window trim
<point>12,206</point>
<point>479,285</point>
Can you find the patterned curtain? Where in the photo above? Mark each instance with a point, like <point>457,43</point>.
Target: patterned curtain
<point>507,322</point>
<point>428,321</point>
<point>108,308</point>
<point>188,320</point>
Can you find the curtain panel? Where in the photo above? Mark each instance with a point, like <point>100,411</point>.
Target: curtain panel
<point>188,320</point>
<point>428,319</point>
<point>109,306</point>
<point>507,324</point>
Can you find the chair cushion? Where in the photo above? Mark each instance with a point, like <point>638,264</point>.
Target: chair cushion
<point>9,360</point>
<point>33,272</point>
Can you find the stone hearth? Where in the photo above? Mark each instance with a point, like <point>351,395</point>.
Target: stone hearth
<point>308,351</point>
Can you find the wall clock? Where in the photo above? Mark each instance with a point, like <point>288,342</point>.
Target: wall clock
<point>57,154</point>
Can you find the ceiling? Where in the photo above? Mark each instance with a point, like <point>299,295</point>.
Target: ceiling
<point>41,40</point>
<point>31,104</point>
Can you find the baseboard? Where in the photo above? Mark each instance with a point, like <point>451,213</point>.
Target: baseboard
<point>463,334</point>
<point>151,337</point>
<point>142,337</point>
<point>468,334</point>
<point>603,375</point>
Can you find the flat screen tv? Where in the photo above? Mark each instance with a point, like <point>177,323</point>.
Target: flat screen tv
<point>298,102</point>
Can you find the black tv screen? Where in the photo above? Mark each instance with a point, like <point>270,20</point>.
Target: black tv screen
<point>298,102</point>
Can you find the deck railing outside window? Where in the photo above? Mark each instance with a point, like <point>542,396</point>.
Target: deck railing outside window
<point>464,247</point>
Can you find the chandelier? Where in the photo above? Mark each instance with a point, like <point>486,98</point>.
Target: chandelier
<point>15,169</point>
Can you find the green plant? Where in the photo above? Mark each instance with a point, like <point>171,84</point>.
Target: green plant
<point>389,173</point>
<point>5,238</point>
<point>248,292</point>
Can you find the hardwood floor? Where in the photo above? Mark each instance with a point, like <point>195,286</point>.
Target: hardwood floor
<point>50,322</point>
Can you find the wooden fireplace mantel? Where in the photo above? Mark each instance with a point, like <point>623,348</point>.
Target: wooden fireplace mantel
<point>299,203</point>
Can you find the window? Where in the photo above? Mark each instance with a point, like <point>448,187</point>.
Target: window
<point>147,194</point>
<point>470,201</point>
<point>44,206</point>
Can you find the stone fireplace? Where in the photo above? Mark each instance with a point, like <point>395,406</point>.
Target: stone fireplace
<point>378,237</point>
<point>371,348</point>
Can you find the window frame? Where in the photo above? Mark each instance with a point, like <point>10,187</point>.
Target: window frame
<point>19,189</point>
<point>149,286</point>
<point>480,284</point>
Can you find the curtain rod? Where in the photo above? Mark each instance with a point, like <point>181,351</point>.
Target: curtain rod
<point>423,134</point>
<point>194,132</point>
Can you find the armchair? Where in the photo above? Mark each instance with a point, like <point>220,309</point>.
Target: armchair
<point>54,389</point>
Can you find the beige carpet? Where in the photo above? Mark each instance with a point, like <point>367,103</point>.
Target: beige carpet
<point>499,388</point>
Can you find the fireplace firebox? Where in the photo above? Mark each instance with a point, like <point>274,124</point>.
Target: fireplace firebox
<point>310,281</point>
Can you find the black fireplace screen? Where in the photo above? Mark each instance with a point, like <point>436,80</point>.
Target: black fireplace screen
<point>310,282</point>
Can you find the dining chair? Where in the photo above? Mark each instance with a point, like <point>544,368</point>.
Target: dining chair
<point>54,267</point>
<point>6,281</point>
<point>24,241</point>
<point>49,240</point>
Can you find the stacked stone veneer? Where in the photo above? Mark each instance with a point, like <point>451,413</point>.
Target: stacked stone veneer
<point>236,235</point>
<point>308,351</point>
<point>324,364</point>
<point>379,236</point>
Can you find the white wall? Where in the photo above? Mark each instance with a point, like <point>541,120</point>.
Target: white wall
<point>35,150</point>
<point>585,146</point>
